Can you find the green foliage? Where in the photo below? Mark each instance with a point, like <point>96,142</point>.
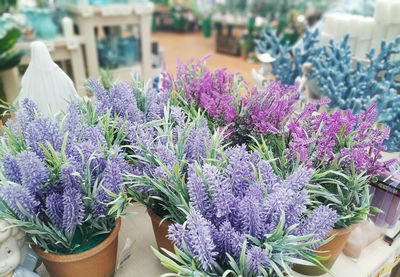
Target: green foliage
<point>5,5</point>
<point>9,58</point>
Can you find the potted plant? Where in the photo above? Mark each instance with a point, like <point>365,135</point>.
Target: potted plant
<point>162,161</point>
<point>344,150</point>
<point>244,220</point>
<point>64,189</point>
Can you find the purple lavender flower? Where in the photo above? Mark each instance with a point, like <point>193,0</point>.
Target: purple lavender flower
<point>268,176</point>
<point>155,104</point>
<point>73,207</point>
<point>25,114</point>
<point>55,209</point>
<point>16,194</point>
<point>229,241</point>
<point>179,116</point>
<point>11,169</point>
<point>120,99</point>
<point>88,154</point>
<point>97,88</point>
<point>299,179</point>
<point>111,181</point>
<point>197,144</point>
<point>221,188</point>
<point>268,110</point>
<point>318,140</point>
<point>71,175</point>
<point>239,169</point>
<point>168,158</point>
<point>95,135</point>
<point>198,193</point>
<point>319,222</point>
<point>176,233</point>
<point>41,131</point>
<point>73,122</point>
<point>34,173</point>
<point>250,213</point>
<point>202,245</point>
<point>256,258</point>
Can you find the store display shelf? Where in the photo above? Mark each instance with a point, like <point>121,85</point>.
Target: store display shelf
<point>111,9</point>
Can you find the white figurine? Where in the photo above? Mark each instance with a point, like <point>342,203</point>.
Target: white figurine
<point>263,77</point>
<point>45,83</point>
<point>12,248</point>
<point>302,81</point>
<point>16,259</point>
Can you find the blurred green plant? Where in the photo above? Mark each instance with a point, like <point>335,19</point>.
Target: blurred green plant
<point>8,57</point>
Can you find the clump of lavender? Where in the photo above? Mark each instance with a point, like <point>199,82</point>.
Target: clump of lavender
<point>228,103</point>
<point>135,102</point>
<point>163,155</point>
<point>213,91</point>
<point>242,211</point>
<point>340,140</point>
<point>59,179</point>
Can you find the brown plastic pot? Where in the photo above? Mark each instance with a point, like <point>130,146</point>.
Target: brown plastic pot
<point>99,261</point>
<point>333,249</point>
<point>161,232</point>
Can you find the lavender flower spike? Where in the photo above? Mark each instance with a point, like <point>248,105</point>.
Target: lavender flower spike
<point>13,194</point>
<point>202,243</point>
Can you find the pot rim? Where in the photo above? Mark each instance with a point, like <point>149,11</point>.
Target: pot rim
<point>343,231</point>
<point>63,258</point>
<point>158,219</point>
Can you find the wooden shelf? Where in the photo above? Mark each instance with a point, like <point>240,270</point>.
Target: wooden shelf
<point>87,18</point>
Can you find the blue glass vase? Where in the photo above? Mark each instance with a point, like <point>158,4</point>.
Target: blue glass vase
<point>44,24</point>
<point>128,50</point>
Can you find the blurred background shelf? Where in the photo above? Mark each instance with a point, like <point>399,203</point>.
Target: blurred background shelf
<point>90,20</point>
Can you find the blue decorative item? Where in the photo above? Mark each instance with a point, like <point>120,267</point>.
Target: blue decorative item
<point>45,26</point>
<point>285,68</point>
<point>107,49</point>
<point>356,88</point>
<point>127,49</point>
<point>99,2</point>
<point>42,22</point>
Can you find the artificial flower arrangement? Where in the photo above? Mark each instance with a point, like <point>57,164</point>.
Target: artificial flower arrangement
<point>165,151</point>
<point>268,120</point>
<point>229,104</point>
<point>342,148</point>
<point>61,184</point>
<point>244,220</point>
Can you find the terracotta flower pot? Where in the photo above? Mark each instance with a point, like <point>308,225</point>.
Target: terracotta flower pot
<point>333,250</point>
<point>99,261</point>
<point>161,232</point>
